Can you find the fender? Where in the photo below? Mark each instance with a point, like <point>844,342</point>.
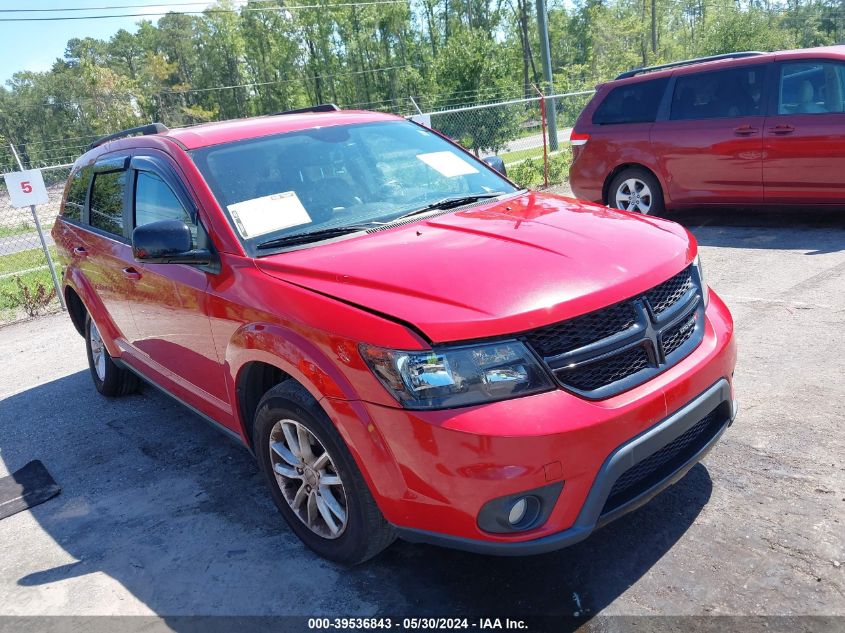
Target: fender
<point>306,363</point>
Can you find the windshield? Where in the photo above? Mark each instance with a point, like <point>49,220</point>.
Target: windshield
<point>350,175</point>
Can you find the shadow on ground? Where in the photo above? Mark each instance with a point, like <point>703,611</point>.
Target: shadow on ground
<point>815,231</point>
<point>178,515</point>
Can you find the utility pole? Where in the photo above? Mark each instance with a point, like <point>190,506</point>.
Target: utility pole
<point>543,31</point>
<point>654,26</point>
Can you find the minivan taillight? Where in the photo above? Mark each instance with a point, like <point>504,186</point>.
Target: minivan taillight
<point>578,141</point>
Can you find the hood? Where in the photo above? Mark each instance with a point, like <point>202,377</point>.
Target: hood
<point>494,269</point>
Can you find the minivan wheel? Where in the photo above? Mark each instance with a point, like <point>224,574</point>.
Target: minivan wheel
<point>109,379</point>
<point>636,190</point>
<point>313,478</point>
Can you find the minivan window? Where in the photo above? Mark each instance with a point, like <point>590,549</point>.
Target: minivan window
<point>735,92</point>
<point>811,88</point>
<point>76,194</point>
<point>631,103</point>
<point>107,201</point>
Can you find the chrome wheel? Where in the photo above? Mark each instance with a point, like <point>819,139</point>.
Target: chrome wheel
<point>98,351</point>
<point>308,478</point>
<point>633,195</point>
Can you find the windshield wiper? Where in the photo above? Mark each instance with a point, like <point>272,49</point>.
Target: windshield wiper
<point>449,203</point>
<point>315,236</point>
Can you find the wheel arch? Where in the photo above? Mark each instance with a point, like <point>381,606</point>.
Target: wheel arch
<point>605,190</point>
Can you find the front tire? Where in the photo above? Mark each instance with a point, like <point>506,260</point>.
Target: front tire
<point>313,478</point>
<point>109,379</point>
<point>636,189</point>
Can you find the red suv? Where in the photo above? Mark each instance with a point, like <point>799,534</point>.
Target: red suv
<point>409,344</point>
<point>744,129</point>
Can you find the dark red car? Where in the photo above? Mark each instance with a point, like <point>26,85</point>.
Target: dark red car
<point>744,129</point>
<point>408,343</point>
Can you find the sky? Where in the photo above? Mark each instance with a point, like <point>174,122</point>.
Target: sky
<point>36,45</point>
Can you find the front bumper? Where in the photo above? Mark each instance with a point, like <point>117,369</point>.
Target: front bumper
<point>598,510</point>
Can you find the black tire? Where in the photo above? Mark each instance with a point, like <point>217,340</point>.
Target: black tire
<point>656,206</point>
<point>366,532</point>
<point>115,380</point>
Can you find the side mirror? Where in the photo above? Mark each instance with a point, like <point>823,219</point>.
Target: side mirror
<point>498,164</point>
<point>167,242</point>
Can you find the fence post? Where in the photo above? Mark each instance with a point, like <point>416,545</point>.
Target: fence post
<point>38,228</point>
<point>545,140</point>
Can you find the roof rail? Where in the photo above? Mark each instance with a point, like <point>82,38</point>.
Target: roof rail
<point>687,62</point>
<point>323,107</point>
<point>143,130</point>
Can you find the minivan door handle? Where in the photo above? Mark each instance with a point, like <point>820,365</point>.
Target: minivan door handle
<point>782,129</point>
<point>131,273</point>
<point>745,130</point>
<point>79,251</point>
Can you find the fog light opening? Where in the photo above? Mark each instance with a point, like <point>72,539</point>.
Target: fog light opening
<point>523,512</point>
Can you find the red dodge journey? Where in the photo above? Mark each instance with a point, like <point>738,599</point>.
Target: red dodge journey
<point>409,344</point>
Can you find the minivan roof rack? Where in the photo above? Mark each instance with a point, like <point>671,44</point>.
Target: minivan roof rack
<point>323,107</point>
<point>143,130</point>
<point>687,62</point>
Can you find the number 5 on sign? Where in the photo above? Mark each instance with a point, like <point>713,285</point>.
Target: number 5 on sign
<point>26,188</point>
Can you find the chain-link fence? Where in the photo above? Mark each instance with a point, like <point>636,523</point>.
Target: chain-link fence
<point>517,131</point>
<point>26,286</point>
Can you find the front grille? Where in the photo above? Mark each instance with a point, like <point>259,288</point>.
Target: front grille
<point>665,461</point>
<point>605,352</point>
<point>582,330</point>
<point>595,375</point>
<point>669,292</point>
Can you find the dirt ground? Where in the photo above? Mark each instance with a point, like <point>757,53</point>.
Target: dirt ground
<point>160,515</point>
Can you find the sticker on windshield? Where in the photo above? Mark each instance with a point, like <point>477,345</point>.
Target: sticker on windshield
<point>448,164</point>
<point>260,216</point>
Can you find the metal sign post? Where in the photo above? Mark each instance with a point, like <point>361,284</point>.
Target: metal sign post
<point>30,185</point>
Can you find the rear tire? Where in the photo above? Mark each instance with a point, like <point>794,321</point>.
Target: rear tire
<point>313,478</point>
<point>636,189</point>
<point>109,379</point>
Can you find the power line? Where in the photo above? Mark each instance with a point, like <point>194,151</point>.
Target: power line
<point>204,12</point>
<point>115,6</point>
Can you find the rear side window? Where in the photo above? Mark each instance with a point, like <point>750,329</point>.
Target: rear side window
<point>107,201</point>
<point>76,194</point>
<point>631,103</point>
<point>723,94</point>
<point>811,88</point>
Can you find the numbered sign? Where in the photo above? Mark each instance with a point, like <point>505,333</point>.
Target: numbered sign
<point>26,188</point>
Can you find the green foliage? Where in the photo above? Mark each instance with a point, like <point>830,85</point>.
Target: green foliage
<point>529,172</point>
<point>33,295</point>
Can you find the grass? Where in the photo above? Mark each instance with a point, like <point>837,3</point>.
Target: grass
<point>10,294</point>
<point>521,154</point>
<point>19,229</point>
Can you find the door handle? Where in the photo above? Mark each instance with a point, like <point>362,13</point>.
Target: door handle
<point>131,273</point>
<point>79,251</point>
<point>782,129</point>
<point>745,130</point>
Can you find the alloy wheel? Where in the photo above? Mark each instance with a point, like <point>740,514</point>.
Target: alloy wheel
<point>308,479</point>
<point>98,351</point>
<point>633,195</point>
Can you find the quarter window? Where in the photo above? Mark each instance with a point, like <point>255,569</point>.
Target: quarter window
<point>631,103</point>
<point>811,88</point>
<point>723,94</point>
<point>76,194</point>
<point>107,201</point>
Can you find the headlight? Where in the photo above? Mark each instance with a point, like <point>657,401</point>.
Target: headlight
<point>457,376</point>
<point>705,291</point>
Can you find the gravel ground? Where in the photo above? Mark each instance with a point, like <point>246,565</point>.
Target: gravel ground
<point>161,515</point>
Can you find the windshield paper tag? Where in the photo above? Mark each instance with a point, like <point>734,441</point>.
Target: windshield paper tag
<point>448,164</point>
<point>260,216</point>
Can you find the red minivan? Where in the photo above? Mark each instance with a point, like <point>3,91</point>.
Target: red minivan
<point>408,343</point>
<point>743,129</point>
